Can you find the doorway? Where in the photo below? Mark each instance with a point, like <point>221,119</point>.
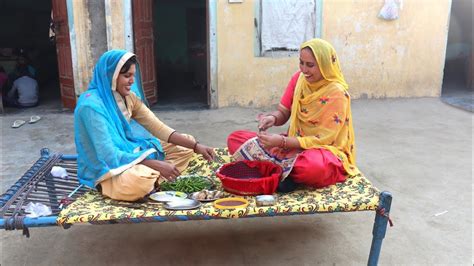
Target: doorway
<point>26,37</point>
<point>457,87</point>
<point>180,43</point>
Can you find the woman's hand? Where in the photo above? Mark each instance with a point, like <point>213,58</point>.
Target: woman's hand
<point>190,143</point>
<point>266,122</point>
<point>270,140</point>
<point>167,170</point>
<point>205,151</point>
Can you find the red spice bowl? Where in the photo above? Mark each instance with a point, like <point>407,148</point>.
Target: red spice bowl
<point>250,177</point>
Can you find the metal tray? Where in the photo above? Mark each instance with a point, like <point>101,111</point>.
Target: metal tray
<point>182,204</point>
<point>165,196</point>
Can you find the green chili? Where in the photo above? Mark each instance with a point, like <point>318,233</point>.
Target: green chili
<point>187,185</point>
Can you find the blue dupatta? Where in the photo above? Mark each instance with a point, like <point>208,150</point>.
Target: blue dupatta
<point>106,143</point>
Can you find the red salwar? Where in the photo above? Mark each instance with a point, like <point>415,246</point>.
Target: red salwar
<point>313,167</point>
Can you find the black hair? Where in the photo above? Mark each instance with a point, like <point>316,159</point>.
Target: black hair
<point>131,61</point>
<point>23,71</point>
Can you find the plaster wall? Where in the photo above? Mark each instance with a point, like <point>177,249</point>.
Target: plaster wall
<point>400,58</point>
<point>97,35</point>
<point>242,78</point>
<point>115,17</point>
<point>90,38</point>
<point>81,44</point>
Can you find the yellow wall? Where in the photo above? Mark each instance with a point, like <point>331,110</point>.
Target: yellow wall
<point>242,78</point>
<point>115,24</point>
<point>401,58</point>
<point>83,65</point>
<point>81,38</point>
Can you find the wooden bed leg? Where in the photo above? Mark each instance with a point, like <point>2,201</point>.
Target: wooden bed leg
<point>380,227</point>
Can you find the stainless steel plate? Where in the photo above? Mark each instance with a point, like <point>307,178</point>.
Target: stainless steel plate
<point>166,196</point>
<point>182,204</point>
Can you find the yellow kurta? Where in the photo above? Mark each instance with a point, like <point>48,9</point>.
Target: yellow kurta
<point>321,112</point>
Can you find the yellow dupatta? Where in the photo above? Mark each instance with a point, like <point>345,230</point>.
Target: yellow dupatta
<point>321,112</point>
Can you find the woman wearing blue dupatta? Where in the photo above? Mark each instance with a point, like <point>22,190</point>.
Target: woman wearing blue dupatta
<point>116,152</point>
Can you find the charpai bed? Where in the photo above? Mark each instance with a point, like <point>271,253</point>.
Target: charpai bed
<point>71,203</point>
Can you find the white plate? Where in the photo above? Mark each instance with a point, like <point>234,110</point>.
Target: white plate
<point>166,196</point>
<point>182,204</point>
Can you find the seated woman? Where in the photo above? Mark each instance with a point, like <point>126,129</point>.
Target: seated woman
<point>116,152</point>
<point>319,149</point>
<point>24,91</point>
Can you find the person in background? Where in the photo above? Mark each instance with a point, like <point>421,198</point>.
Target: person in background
<point>318,149</point>
<point>3,76</point>
<point>21,62</point>
<point>3,80</point>
<point>24,62</point>
<point>123,149</point>
<point>24,91</point>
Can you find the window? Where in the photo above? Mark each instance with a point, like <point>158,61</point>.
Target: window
<point>282,25</point>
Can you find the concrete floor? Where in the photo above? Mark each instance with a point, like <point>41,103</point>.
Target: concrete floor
<point>418,149</point>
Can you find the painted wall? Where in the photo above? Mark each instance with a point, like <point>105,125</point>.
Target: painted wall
<point>80,44</point>
<point>401,58</point>
<point>115,28</point>
<point>97,26</point>
<point>242,78</point>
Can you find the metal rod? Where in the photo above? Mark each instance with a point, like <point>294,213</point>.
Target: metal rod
<point>33,222</point>
<point>63,186</point>
<point>380,227</point>
<point>28,186</point>
<point>24,179</point>
<point>45,189</point>
<point>69,157</point>
<point>62,181</point>
<point>72,193</point>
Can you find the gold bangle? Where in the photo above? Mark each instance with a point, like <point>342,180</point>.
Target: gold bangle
<point>169,137</point>
<point>283,142</point>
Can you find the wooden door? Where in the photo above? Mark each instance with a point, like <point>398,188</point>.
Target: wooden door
<point>63,51</point>
<point>144,46</point>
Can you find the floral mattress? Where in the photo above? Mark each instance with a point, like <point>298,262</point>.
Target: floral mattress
<point>355,194</point>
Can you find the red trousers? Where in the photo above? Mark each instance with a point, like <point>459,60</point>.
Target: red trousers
<point>314,167</point>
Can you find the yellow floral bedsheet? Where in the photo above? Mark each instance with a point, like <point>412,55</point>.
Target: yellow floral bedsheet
<point>355,194</point>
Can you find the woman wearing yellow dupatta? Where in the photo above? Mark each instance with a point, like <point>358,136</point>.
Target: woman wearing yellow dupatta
<point>319,148</point>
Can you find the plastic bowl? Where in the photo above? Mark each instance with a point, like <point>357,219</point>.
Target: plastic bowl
<point>250,177</point>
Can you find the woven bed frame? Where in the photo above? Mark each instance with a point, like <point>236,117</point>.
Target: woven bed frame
<point>39,186</point>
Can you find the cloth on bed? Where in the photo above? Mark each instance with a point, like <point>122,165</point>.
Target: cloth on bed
<point>355,194</point>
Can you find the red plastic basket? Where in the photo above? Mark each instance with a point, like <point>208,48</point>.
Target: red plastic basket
<point>250,177</point>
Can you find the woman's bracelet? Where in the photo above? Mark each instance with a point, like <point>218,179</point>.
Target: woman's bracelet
<point>169,137</point>
<point>283,143</point>
<point>195,145</point>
